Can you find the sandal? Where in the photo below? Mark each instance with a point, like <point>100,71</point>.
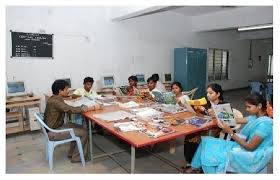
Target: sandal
<point>185,167</point>
<point>192,170</point>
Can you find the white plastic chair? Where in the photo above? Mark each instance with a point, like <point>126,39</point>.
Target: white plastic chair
<point>50,145</point>
<point>190,93</point>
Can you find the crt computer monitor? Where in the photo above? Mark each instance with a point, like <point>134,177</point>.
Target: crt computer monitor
<point>141,78</point>
<point>108,81</point>
<point>68,80</point>
<point>167,78</point>
<point>16,88</point>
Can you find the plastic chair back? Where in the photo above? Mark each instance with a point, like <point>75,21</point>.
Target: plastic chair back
<point>257,87</point>
<point>40,120</point>
<point>190,93</point>
<point>269,91</point>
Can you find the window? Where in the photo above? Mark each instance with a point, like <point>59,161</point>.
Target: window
<point>217,64</point>
<point>270,65</point>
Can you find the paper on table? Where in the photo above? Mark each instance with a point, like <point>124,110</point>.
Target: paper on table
<point>156,134</point>
<point>130,104</point>
<point>149,113</point>
<point>106,99</point>
<point>127,126</point>
<point>81,101</point>
<point>114,116</point>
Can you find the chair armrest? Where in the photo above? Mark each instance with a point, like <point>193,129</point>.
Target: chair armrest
<point>70,130</point>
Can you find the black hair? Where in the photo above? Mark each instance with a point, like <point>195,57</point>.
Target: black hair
<point>88,79</point>
<point>133,78</point>
<point>155,77</point>
<point>177,84</point>
<point>59,85</point>
<point>151,79</point>
<point>256,99</point>
<point>217,88</point>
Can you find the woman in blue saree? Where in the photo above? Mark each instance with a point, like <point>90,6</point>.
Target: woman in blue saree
<point>248,153</point>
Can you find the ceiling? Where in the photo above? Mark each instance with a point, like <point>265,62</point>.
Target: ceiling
<point>201,10</point>
<point>226,20</point>
<point>192,11</point>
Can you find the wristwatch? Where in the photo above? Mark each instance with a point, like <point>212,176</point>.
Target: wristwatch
<point>232,134</point>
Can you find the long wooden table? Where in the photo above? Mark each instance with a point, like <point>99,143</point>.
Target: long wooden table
<point>138,139</point>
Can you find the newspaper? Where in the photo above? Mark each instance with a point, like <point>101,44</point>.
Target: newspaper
<point>114,116</point>
<point>81,101</point>
<point>146,112</point>
<point>130,104</point>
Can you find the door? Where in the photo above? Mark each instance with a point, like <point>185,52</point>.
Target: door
<point>180,67</point>
<point>196,71</point>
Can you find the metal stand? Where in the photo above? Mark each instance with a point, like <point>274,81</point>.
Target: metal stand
<point>132,160</point>
<point>90,141</point>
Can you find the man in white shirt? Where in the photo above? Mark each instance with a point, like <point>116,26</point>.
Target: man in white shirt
<point>159,84</point>
<point>81,92</point>
<point>86,90</point>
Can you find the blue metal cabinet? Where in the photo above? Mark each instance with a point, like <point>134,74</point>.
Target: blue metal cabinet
<point>190,69</point>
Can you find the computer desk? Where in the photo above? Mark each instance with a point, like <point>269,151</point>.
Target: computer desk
<point>20,102</point>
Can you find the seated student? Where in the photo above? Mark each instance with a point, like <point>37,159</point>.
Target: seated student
<point>81,92</point>
<point>132,88</point>
<point>86,90</point>
<point>248,155</point>
<point>214,96</point>
<point>159,85</point>
<point>177,89</point>
<point>152,87</point>
<point>54,118</point>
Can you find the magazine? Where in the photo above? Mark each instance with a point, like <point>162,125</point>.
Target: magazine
<point>164,97</point>
<point>197,121</point>
<point>127,126</point>
<point>223,112</point>
<point>159,132</point>
<point>170,108</point>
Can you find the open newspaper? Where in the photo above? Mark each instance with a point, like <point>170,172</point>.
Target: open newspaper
<point>114,116</point>
<point>223,112</point>
<point>81,101</point>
